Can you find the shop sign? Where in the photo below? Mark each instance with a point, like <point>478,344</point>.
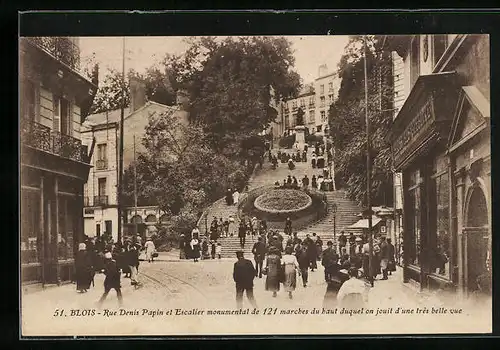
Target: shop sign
<point>406,140</point>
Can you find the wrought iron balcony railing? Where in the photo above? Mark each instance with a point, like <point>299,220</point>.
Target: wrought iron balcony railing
<point>62,48</point>
<point>41,137</point>
<point>101,164</point>
<point>100,200</point>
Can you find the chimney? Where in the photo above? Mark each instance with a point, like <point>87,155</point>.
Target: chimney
<point>137,93</point>
<point>323,70</point>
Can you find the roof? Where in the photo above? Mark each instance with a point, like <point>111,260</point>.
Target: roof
<point>115,114</point>
<point>326,75</point>
<point>363,223</point>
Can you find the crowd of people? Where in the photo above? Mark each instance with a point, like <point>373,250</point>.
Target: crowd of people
<point>101,255</point>
<point>283,260</point>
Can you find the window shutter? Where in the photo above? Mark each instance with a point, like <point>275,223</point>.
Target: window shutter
<point>56,113</point>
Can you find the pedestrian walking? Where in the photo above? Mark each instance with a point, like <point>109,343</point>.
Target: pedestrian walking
<point>83,268</point>
<point>392,262</point>
<point>213,249</point>
<point>150,249</point>
<point>229,197</point>
<point>272,270</point>
<point>290,267</point>
<point>195,248</point>
<point>311,252</point>
<point>242,232</point>
<point>288,226</point>
<point>243,275</point>
<point>112,280</point>
<point>213,229</point>
<point>205,253</point>
<point>305,181</point>
<point>132,259</point>
<point>384,258</point>
<point>342,240</point>
<point>259,253</point>
<point>236,197</point>
<point>218,250</point>
<point>303,260</point>
<point>329,261</point>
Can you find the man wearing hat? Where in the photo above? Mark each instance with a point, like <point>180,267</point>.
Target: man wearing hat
<point>112,280</point>
<point>329,261</point>
<point>243,275</point>
<point>259,253</point>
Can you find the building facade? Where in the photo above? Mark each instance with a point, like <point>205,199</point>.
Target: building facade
<point>54,164</point>
<point>101,189</point>
<point>326,86</point>
<point>441,143</point>
<point>305,101</point>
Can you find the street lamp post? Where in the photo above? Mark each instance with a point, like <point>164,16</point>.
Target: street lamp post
<point>368,169</point>
<point>334,211</point>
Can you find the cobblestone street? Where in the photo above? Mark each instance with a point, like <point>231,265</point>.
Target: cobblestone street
<point>197,288</point>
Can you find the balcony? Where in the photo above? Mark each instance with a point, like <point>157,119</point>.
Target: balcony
<point>100,200</point>
<point>41,137</point>
<point>61,48</point>
<point>101,164</point>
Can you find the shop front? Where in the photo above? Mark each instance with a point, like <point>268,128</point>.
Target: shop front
<point>419,136</point>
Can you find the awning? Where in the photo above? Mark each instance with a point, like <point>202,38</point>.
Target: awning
<point>363,223</point>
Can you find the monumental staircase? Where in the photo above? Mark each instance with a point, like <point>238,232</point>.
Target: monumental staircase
<point>345,216</point>
<point>332,224</point>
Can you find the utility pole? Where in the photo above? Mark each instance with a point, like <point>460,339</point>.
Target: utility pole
<point>368,171</point>
<point>120,165</point>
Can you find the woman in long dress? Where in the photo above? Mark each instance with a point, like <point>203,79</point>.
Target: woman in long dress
<point>291,266</point>
<point>84,269</point>
<point>273,267</point>
<point>236,197</point>
<point>150,249</point>
<point>195,249</point>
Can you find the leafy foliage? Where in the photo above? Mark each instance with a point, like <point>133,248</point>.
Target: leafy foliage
<point>347,125</point>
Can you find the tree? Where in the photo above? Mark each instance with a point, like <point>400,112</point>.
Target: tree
<point>300,116</point>
<point>230,88</point>
<point>346,119</point>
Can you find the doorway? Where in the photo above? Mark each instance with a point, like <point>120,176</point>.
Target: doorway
<point>477,244</point>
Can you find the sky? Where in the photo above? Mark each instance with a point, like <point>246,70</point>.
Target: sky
<point>142,52</point>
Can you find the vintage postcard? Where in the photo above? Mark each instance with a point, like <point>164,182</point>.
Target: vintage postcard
<point>183,186</point>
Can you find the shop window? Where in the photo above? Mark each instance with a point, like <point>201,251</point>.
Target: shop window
<point>98,230</point>
<point>66,228</point>
<point>30,229</point>
<point>414,219</point>
<point>442,242</point>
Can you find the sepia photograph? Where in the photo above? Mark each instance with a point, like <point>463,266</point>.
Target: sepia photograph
<point>255,185</point>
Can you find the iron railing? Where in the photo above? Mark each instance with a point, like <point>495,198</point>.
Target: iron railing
<point>61,48</point>
<point>101,164</point>
<point>100,200</point>
<point>42,137</point>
